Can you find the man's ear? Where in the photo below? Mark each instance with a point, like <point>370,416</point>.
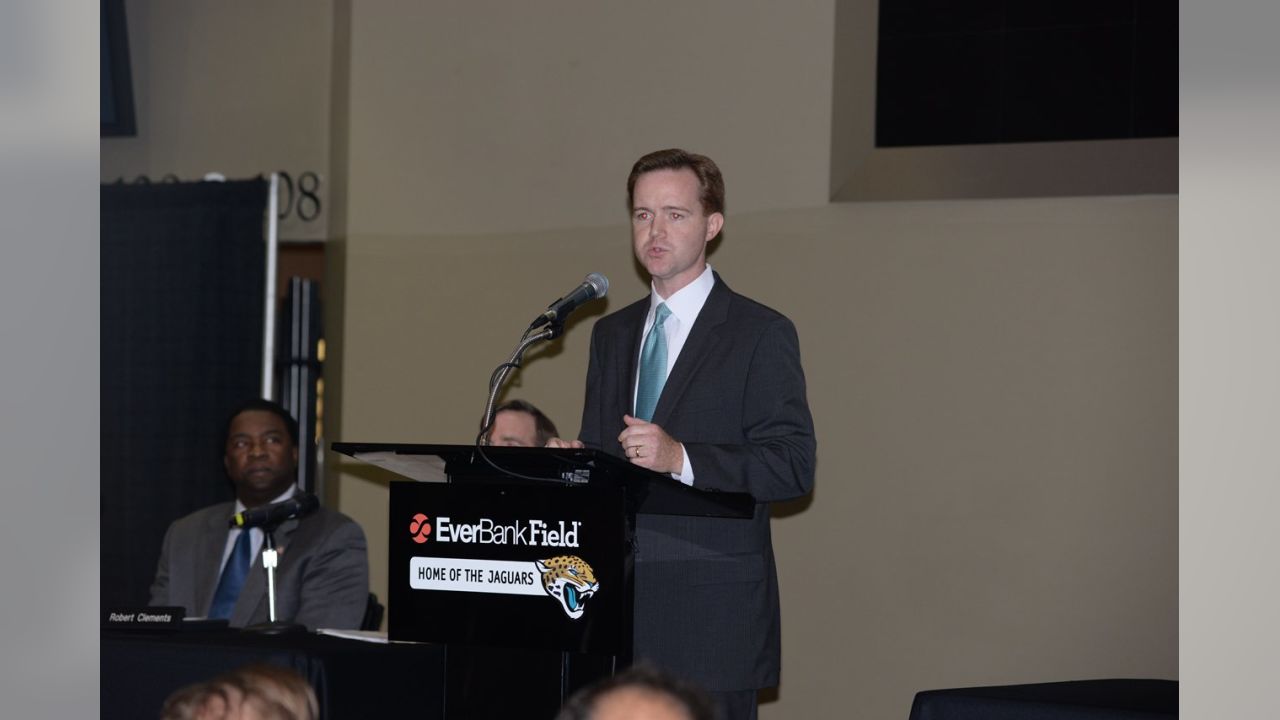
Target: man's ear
<point>715,221</point>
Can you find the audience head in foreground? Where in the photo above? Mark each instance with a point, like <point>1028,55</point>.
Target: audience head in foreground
<point>641,692</point>
<point>253,692</point>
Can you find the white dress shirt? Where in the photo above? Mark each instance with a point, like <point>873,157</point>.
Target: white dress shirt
<point>685,304</point>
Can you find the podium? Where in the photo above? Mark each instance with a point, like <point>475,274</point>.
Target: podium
<point>520,562</point>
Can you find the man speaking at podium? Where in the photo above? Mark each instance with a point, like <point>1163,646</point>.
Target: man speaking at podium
<point>322,579</point>
<point>706,385</point>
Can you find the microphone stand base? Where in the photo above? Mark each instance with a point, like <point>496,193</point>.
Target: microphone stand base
<point>276,628</point>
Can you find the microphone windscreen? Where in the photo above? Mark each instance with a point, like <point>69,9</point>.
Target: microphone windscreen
<point>599,282</point>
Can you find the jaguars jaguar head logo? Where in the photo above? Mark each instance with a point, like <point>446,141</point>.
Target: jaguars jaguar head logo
<point>569,580</point>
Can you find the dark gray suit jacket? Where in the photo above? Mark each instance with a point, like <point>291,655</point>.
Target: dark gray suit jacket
<point>322,579</point>
<point>706,588</point>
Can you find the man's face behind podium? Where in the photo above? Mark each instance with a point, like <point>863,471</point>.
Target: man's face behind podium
<point>260,458</point>
<point>512,428</point>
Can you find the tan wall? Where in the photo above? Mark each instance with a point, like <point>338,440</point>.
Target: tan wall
<point>466,117</point>
<point>237,87</point>
<point>993,382</point>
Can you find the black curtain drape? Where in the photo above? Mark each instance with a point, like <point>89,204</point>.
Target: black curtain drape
<point>183,269</point>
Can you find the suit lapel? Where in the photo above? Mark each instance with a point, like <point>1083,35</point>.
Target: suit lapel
<point>704,334</point>
<point>629,367</point>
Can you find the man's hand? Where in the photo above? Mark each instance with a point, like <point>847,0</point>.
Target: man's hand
<point>649,446</point>
<point>556,442</point>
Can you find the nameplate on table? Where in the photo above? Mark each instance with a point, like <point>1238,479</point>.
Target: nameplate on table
<point>145,617</point>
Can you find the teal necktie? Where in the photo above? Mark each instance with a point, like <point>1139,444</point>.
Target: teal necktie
<point>653,366</point>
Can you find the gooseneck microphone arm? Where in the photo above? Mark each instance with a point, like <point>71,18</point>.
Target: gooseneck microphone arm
<point>499,376</point>
<point>594,286</point>
<point>495,386</point>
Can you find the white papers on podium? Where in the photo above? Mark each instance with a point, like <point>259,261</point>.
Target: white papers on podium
<point>424,468</point>
<point>373,636</point>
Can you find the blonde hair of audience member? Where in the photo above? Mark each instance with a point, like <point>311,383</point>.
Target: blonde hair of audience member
<point>253,692</point>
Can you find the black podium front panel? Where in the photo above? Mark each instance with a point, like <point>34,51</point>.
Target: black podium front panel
<point>539,567</point>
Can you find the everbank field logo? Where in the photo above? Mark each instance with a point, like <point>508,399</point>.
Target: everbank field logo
<point>486,531</point>
<point>567,579</point>
<point>419,529</point>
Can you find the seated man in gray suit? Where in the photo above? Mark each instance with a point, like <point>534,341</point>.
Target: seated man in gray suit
<point>322,575</point>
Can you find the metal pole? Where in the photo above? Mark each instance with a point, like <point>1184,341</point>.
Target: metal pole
<point>269,302</point>
<point>270,559</point>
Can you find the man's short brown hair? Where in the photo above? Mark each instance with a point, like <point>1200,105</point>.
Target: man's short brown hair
<point>710,181</point>
<point>543,425</point>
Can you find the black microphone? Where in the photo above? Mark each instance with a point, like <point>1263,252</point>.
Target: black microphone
<point>297,506</point>
<point>595,286</point>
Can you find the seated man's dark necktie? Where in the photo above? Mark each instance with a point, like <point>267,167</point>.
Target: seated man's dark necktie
<point>233,575</point>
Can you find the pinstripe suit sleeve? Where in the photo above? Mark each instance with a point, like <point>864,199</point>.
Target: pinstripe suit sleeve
<point>774,457</point>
